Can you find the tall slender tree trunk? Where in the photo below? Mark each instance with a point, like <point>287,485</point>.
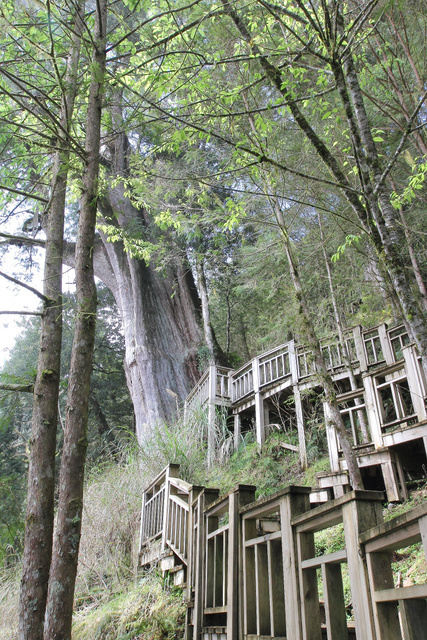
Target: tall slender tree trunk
<point>345,357</point>
<point>41,474</point>
<point>63,570</point>
<point>310,339</point>
<point>415,266</point>
<point>308,332</point>
<point>203,291</point>
<point>388,237</point>
<point>216,353</point>
<point>374,210</point>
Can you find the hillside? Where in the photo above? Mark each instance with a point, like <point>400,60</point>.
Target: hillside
<point>115,600</point>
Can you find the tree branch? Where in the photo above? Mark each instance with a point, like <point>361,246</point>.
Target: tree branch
<point>33,196</point>
<point>400,145</point>
<point>28,388</point>
<point>25,286</point>
<point>20,240</point>
<point>22,313</point>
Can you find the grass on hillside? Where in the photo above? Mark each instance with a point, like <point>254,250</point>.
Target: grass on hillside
<point>147,609</point>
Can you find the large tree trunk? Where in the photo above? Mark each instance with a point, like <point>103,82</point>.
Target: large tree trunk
<point>161,323</point>
<point>41,474</point>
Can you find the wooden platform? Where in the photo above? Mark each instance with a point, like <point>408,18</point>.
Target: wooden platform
<point>390,399</point>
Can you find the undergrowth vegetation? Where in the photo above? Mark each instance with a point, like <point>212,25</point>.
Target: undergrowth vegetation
<point>148,609</point>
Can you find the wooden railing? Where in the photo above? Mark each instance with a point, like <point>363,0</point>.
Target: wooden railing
<point>396,608</point>
<point>200,393</point>
<point>242,383</point>
<point>164,516</point>
<point>177,517</point>
<point>222,386</point>
<point>374,347</point>
<point>271,588</point>
<point>274,365</point>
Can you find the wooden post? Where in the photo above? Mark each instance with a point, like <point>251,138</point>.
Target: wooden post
<point>233,567</point>
<point>204,499</point>
<point>172,471</point>
<point>372,410</point>
<point>276,588</point>
<point>413,616</point>
<point>237,430</point>
<point>413,613</point>
<point>294,502</point>
<point>293,366</point>
<point>385,344</point>
<point>259,404</point>
<point>390,475</point>
<point>192,525</point>
<point>332,439</point>
<point>300,427</point>
<point>309,596</point>
<point>242,495</point>
<point>211,413</point>
<point>360,351</point>
<point>336,621</point>
<point>385,614</point>
<point>141,530</point>
<point>415,381</point>
<point>360,514</point>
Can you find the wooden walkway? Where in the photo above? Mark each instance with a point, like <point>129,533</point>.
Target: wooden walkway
<point>385,414</point>
<point>250,568</point>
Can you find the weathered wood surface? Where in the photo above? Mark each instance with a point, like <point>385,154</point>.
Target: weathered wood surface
<point>387,369</point>
<point>253,571</point>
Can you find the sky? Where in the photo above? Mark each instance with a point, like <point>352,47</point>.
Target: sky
<point>16,298</point>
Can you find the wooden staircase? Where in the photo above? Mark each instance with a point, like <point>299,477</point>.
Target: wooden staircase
<point>250,568</point>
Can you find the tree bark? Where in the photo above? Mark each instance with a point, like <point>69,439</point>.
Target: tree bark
<point>217,356</point>
<point>161,322</point>
<point>59,608</point>
<point>389,238</point>
<point>345,357</point>
<point>41,474</point>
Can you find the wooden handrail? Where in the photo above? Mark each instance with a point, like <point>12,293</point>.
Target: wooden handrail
<point>277,561</point>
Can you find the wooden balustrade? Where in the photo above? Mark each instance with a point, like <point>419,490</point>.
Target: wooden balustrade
<point>270,587</point>
<point>274,365</point>
<point>222,383</point>
<point>379,345</point>
<point>398,338</point>
<point>176,536</point>
<point>242,383</point>
<point>399,611</point>
<point>153,523</point>
<point>199,395</point>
